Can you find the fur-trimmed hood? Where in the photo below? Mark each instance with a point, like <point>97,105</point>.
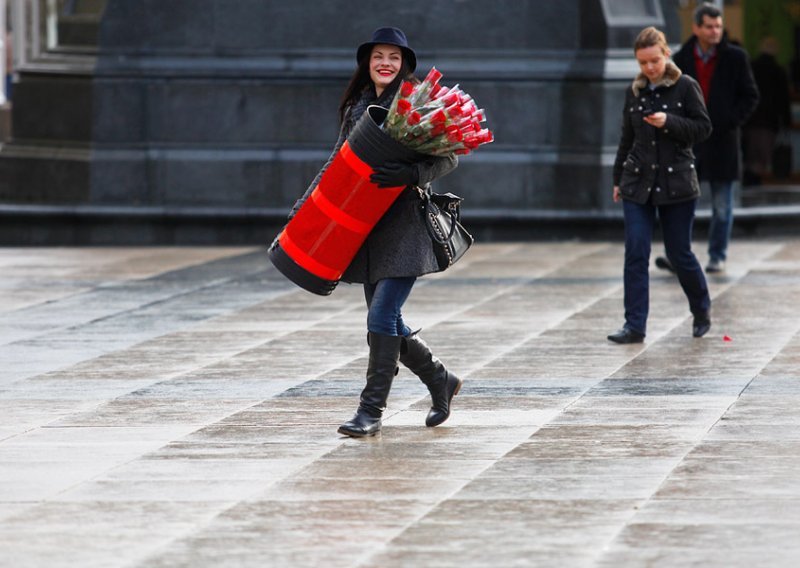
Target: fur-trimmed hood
<point>671,76</point>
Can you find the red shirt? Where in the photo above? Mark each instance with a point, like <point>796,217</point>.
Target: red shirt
<point>704,72</point>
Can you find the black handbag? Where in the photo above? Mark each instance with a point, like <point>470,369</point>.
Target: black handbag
<point>443,219</point>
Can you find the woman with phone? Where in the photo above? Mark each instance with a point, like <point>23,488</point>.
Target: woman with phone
<point>654,175</point>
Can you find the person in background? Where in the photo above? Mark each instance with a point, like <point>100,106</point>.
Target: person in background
<point>654,173</point>
<point>772,116</point>
<point>730,93</point>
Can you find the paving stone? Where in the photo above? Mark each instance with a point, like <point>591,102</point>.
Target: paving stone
<point>575,466</point>
<point>608,416</point>
<point>756,449</point>
<point>733,430</point>
<point>669,557</point>
<point>759,486</point>
<point>475,553</point>
<point>610,486</point>
<point>118,534</point>
<point>322,489</point>
<point>720,511</point>
<point>724,536</point>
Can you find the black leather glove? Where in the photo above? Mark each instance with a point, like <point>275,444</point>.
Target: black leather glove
<point>395,174</point>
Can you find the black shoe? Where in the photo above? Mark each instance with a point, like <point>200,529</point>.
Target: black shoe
<point>442,384</point>
<point>626,335</point>
<point>384,352</point>
<point>441,399</point>
<point>361,425</point>
<point>701,325</point>
<point>663,263</point>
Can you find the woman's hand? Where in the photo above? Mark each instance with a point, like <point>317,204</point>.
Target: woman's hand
<point>617,195</point>
<point>657,119</point>
<point>395,174</point>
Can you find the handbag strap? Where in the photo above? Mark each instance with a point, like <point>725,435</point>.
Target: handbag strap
<point>432,231</point>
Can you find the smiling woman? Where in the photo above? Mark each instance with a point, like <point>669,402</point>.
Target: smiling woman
<point>384,65</point>
<point>398,248</point>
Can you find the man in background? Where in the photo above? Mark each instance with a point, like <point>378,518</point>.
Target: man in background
<point>731,95</point>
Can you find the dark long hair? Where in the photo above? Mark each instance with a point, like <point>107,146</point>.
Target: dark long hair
<point>360,81</point>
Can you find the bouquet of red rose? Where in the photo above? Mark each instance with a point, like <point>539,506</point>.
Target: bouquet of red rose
<point>430,118</point>
<point>320,241</point>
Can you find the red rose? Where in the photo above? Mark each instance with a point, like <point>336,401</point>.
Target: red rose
<point>433,76</point>
<point>403,106</point>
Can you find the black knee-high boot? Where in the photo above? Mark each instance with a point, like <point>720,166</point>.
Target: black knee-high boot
<point>384,351</point>
<point>442,384</point>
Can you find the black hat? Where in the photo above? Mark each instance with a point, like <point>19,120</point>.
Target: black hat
<point>389,36</point>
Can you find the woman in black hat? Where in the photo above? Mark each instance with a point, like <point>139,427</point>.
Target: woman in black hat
<point>398,250</point>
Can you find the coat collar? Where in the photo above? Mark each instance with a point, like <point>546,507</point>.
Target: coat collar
<point>692,42</point>
<point>671,76</point>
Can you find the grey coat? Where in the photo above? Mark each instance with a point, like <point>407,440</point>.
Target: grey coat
<point>399,244</point>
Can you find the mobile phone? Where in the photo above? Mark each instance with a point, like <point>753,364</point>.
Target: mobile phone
<point>647,112</point>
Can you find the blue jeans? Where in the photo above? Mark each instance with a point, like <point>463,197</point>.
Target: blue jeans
<point>676,226</point>
<point>385,301</point>
<point>719,231</point>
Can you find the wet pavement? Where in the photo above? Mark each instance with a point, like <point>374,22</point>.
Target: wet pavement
<point>164,407</point>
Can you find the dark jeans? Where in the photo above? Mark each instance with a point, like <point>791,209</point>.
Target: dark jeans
<point>385,301</point>
<point>719,231</point>
<point>676,226</point>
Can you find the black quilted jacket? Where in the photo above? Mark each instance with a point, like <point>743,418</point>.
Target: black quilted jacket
<point>657,164</point>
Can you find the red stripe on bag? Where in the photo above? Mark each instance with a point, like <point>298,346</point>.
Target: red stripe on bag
<point>306,261</point>
<point>336,214</point>
<point>358,165</point>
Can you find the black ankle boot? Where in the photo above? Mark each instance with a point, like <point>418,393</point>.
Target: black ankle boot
<point>384,350</point>
<point>701,324</point>
<point>442,384</point>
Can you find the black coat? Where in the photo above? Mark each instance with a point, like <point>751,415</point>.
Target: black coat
<point>657,164</point>
<point>774,108</point>
<point>732,98</point>
<point>399,245</point>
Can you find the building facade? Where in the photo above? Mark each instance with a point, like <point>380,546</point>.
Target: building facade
<point>201,121</point>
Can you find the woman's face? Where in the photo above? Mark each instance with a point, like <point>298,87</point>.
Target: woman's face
<point>384,65</point>
<point>652,61</point>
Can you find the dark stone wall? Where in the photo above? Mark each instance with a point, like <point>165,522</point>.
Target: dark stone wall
<point>226,104</point>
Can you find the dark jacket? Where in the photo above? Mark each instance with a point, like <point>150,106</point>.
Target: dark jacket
<point>657,164</point>
<point>399,245</point>
<point>732,98</point>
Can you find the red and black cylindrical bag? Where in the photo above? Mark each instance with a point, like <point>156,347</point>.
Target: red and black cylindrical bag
<point>320,241</point>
